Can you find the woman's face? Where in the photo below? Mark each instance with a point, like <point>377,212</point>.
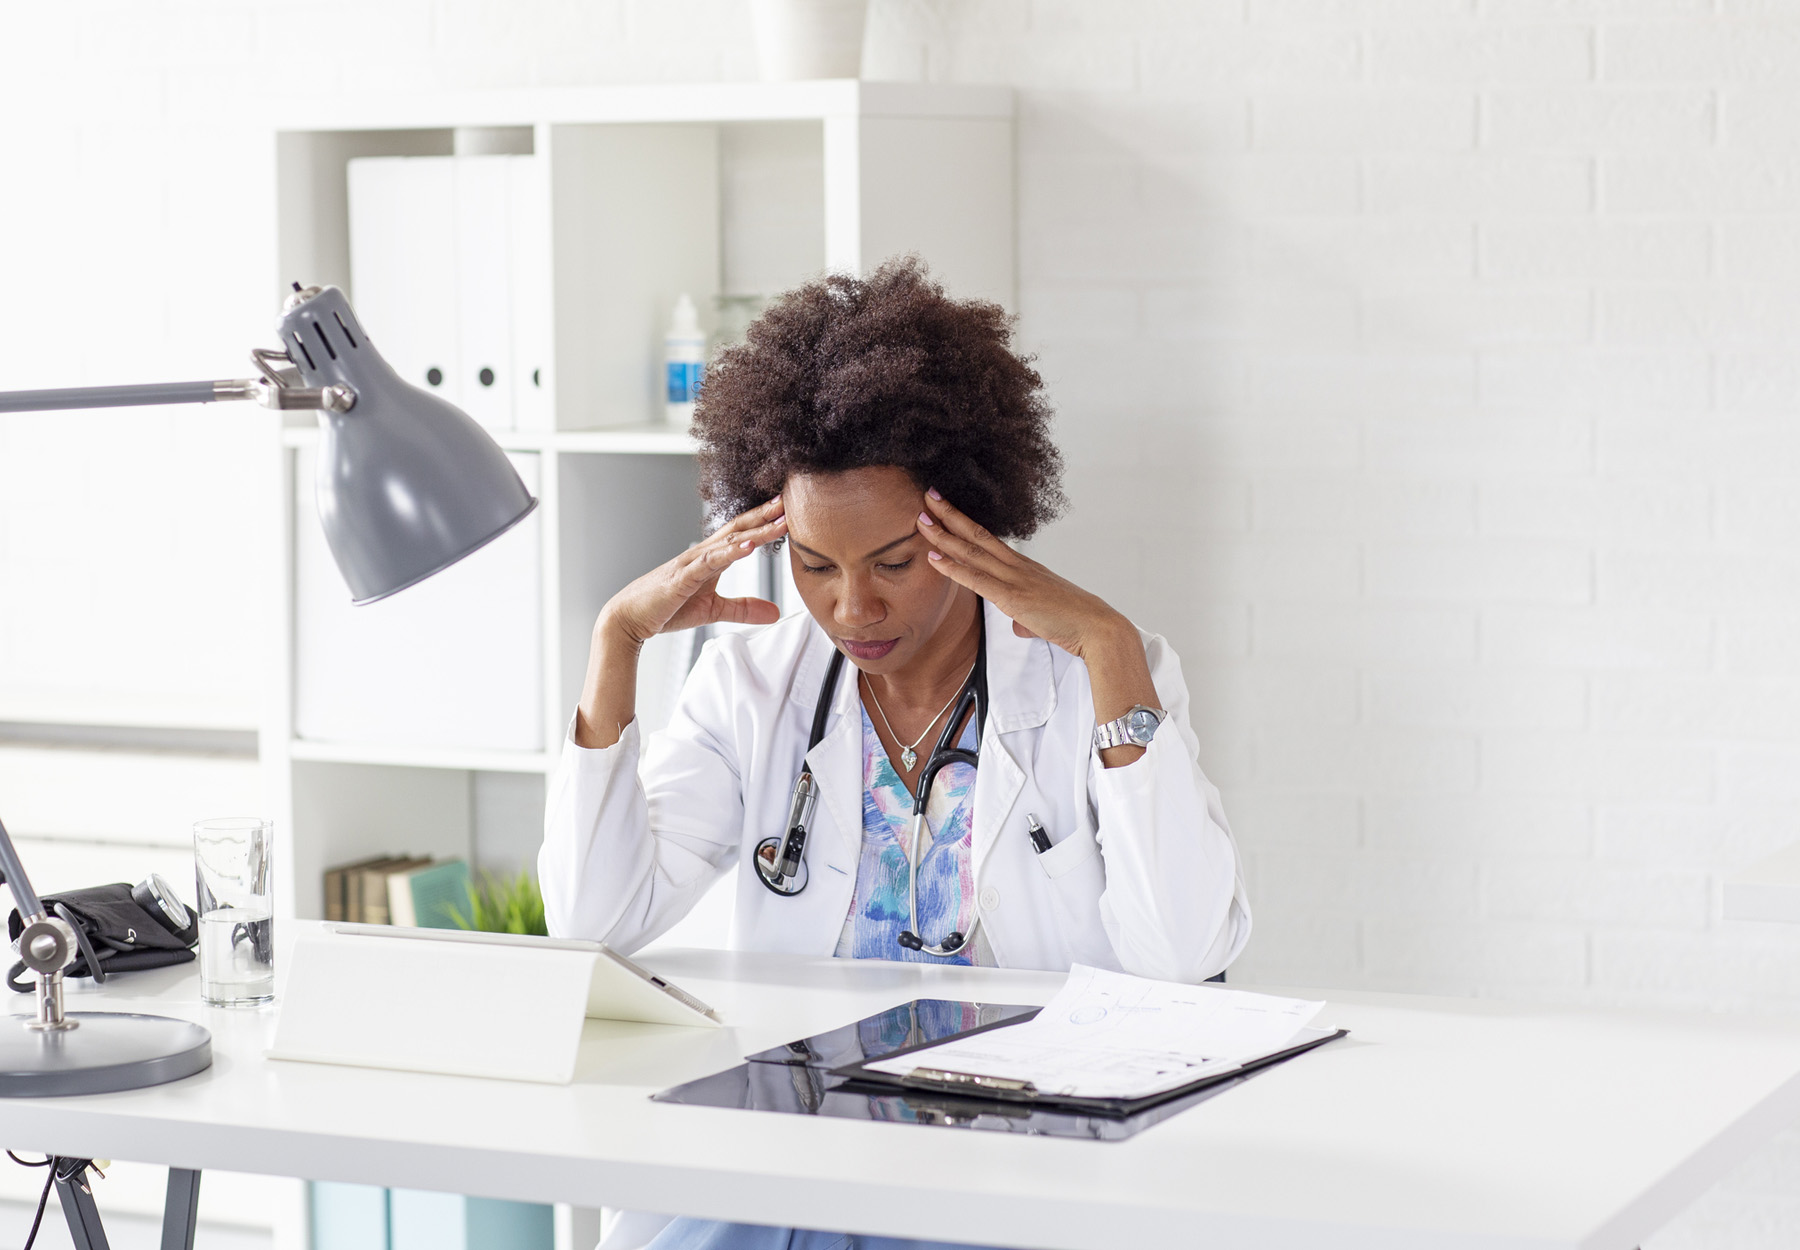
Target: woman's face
<point>859,561</point>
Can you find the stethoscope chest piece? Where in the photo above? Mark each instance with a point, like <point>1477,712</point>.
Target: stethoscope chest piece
<point>785,884</point>
<point>781,862</point>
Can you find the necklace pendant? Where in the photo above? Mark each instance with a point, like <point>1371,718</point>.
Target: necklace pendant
<point>908,757</point>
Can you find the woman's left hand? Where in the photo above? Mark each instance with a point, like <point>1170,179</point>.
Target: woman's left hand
<point>1040,603</point>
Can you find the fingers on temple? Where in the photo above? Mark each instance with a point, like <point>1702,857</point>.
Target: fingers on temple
<point>761,510</point>
<point>753,518</point>
<point>958,528</point>
<point>956,520</point>
<point>961,573</point>
<point>960,548</point>
<point>743,534</point>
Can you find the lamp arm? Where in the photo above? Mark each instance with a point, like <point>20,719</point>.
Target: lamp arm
<point>270,394</point>
<point>20,884</point>
<point>110,396</point>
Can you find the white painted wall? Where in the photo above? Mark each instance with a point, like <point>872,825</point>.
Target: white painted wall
<point>1452,340</point>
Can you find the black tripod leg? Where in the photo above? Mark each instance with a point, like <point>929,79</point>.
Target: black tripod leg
<point>181,1208</point>
<point>78,1205</point>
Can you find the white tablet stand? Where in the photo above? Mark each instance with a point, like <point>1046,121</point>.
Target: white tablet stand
<point>464,1004</point>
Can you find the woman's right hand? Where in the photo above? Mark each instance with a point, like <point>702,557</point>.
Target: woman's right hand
<point>679,595</point>
<point>684,592</point>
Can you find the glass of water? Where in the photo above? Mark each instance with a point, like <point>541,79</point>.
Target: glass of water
<point>233,862</point>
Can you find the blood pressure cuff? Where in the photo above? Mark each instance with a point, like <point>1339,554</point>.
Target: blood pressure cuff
<point>114,933</point>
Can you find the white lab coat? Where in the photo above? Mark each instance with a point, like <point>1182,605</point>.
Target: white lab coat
<point>1142,874</point>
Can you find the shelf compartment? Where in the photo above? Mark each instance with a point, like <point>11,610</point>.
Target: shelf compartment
<point>314,751</point>
<point>654,102</point>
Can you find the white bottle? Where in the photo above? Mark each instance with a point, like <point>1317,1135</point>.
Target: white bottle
<point>684,362</point>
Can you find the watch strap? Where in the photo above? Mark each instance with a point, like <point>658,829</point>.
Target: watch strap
<point>1117,733</point>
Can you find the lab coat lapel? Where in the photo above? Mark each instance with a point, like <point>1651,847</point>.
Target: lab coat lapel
<point>1021,695</point>
<point>997,785</point>
<point>836,764</point>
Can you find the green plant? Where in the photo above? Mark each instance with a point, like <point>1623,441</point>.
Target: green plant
<point>503,905</point>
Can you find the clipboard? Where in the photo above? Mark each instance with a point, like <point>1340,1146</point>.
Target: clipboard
<point>859,1077</point>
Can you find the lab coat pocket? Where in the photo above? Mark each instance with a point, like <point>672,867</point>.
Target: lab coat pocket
<point>1069,854</point>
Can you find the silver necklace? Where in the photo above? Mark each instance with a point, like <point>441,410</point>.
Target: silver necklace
<point>909,755</point>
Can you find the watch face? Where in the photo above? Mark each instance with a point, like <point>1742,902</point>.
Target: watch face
<point>1141,725</point>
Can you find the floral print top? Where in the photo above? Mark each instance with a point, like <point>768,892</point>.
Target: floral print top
<point>878,909</point>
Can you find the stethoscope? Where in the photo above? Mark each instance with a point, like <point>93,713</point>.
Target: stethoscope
<point>781,862</point>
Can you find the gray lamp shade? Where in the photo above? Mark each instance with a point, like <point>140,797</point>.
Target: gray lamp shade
<point>407,483</point>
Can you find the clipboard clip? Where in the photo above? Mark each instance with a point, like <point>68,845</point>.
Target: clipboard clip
<point>964,1080</point>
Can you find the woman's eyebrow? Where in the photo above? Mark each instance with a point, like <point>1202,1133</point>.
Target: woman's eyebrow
<point>819,555</point>
<point>890,546</point>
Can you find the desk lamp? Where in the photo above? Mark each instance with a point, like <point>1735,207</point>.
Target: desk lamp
<point>407,485</point>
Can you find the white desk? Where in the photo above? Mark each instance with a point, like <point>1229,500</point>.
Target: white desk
<point>1769,890</point>
<point>1440,1124</point>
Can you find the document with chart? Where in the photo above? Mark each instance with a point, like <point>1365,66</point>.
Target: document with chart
<point>1107,1035</point>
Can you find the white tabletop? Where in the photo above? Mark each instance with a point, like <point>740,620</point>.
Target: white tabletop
<point>1439,1123</point>
<point>1769,890</point>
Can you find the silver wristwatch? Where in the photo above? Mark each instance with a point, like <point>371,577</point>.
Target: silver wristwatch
<point>1135,728</point>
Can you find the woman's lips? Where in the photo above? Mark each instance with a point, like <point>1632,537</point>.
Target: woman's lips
<point>868,650</point>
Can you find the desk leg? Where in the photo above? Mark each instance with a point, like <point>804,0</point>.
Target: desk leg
<point>78,1205</point>
<point>181,1208</point>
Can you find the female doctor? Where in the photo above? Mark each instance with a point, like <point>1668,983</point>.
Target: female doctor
<point>892,437</point>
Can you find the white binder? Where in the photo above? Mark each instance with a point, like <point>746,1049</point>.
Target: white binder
<point>528,219</point>
<point>484,287</point>
<point>450,265</point>
<point>403,266</point>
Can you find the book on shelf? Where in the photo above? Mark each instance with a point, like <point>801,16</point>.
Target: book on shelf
<point>373,895</point>
<point>397,889</point>
<point>337,887</point>
<point>430,897</point>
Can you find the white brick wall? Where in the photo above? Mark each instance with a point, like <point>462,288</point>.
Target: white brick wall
<point>1456,334</point>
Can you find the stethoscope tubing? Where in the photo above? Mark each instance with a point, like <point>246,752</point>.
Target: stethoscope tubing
<point>942,755</point>
<point>784,871</point>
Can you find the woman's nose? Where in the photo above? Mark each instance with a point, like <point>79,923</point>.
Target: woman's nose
<point>858,607</point>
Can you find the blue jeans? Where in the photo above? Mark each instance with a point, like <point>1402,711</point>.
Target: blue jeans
<point>687,1234</point>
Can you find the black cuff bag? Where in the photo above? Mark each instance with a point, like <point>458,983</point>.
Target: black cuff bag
<point>115,932</point>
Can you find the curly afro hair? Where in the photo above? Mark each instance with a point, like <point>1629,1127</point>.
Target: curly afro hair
<point>847,373</point>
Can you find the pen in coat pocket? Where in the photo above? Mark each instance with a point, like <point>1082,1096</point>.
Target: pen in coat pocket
<point>1040,841</point>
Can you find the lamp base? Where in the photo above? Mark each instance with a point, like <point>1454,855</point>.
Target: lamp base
<point>108,1051</point>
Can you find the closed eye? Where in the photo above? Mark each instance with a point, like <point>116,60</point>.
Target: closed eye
<point>895,568</point>
<point>815,568</point>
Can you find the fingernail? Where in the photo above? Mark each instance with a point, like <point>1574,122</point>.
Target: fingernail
<point>933,555</point>
<point>933,493</point>
<point>925,519</point>
<point>745,545</point>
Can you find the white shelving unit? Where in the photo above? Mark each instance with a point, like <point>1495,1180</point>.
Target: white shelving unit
<point>650,191</point>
